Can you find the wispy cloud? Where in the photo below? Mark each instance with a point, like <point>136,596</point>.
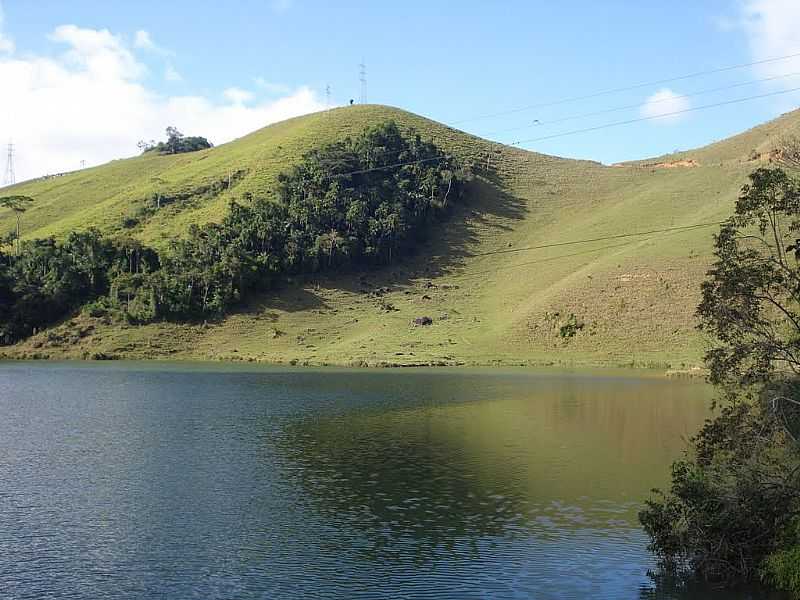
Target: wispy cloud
<point>171,74</point>
<point>663,105</point>
<point>772,30</point>
<point>142,40</point>
<point>270,87</point>
<point>97,52</point>
<point>238,96</point>
<point>6,44</point>
<point>91,102</point>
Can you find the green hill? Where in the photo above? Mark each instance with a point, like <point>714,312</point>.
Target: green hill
<point>498,280</point>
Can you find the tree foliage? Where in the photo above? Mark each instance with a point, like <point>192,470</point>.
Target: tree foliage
<point>360,202</point>
<point>18,204</point>
<point>176,143</point>
<point>735,498</point>
<point>49,279</point>
<point>750,299</point>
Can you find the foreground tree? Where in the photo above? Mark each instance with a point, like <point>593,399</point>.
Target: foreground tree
<point>734,505</point>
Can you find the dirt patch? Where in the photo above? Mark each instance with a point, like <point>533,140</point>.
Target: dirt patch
<point>686,163</point>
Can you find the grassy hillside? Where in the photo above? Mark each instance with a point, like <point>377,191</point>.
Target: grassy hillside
<point>498,279</point>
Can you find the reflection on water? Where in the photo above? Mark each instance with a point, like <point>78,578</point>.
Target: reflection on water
<point>551,457</point>
<point>531,482</point>
<point>141,481</point>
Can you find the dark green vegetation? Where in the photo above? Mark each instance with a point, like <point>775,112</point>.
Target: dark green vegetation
<point>534,240</point>
<point>362,201</point>
<point>176,143</point>
<point>541,258</point>
<point>48,279</point>
<point>733,511</point>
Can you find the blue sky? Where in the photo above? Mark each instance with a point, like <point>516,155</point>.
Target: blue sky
<point>220,69</point>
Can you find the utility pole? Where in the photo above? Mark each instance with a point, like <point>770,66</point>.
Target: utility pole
<point>9,178</point>
<point>362,77</point>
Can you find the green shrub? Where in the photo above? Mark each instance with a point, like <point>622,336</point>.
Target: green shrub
<point>782,569</point>
<point>731,503</point>
<point>129,222</point>
<point>570,327</point>
<point>96,309</point>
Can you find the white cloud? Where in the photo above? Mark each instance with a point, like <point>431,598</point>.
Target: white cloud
<point>172,75</point>
<point>663,106</point>
<point>98,53</point>
<point>90,103</point>
<point>270,87</point>
<point>238,96</point>
<point>772,28</point>
<point>142,40</point>
<point>6,44</point>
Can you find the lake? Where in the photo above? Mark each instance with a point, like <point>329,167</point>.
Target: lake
<point>145,480</point>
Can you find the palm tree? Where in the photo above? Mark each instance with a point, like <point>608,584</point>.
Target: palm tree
<point>19,204</point>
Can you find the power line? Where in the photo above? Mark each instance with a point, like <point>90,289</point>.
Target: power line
<point>538,123</point>
<point>630,106</point>
<point>539,261</point>
<point>584,130</point>
<point>653,117</point>
<point>582,252</point>
<point>392,166</point>
<point>600,239</point>
<point>629,87</point>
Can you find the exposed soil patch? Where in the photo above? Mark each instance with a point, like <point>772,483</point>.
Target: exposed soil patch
<point>686,163</point>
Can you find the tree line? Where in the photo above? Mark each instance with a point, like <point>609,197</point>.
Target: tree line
<point>363,201</point>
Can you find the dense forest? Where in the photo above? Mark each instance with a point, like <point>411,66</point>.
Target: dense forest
<point>363,201</point>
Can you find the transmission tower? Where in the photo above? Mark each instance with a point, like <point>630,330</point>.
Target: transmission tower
<point>9,178</point>
<point>362,77</point>
<point>327,96</point>
<point>83,164</point>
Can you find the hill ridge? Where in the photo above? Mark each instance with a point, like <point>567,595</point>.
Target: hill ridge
<point>624,302</point>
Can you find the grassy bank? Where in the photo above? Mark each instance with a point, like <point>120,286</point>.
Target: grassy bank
<point>548,260</point>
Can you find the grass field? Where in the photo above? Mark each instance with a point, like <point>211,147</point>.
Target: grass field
<point>537,240</point>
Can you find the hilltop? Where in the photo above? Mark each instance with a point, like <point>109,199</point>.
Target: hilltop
<point>529,269</point>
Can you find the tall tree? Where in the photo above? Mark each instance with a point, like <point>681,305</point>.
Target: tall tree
<point>19,204</point>
<point>734,501</point>
<point>751,299</point>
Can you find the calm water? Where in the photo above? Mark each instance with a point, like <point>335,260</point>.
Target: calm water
<point>152,481</point>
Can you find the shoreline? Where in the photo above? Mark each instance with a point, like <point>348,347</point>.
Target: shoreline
<point>666,370</point>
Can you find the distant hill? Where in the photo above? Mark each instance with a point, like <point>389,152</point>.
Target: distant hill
<point>537,266</point>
